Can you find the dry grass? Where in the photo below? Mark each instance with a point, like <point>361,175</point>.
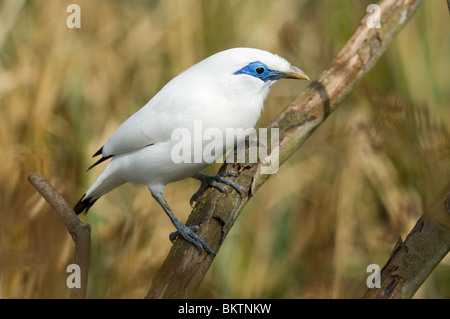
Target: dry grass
<point>337,206</point>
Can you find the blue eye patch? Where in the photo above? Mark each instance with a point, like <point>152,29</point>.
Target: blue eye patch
<point>261,71</point>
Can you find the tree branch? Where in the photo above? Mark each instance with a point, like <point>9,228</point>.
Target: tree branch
<point>415,258</point>
<point>81,233</point>
<point>185,267</point>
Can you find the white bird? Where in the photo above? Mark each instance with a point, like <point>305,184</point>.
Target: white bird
<point>226,90</point>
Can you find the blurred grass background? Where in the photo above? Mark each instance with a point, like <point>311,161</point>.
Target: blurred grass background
<point>340,204</point>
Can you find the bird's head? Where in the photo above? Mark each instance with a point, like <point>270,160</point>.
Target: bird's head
<point>248,69</point>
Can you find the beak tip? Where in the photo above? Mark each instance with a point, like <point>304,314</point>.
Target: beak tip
<point>296,73</point>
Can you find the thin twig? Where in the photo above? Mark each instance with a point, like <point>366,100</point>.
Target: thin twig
<point>81,233</point>
<point>185,267</point>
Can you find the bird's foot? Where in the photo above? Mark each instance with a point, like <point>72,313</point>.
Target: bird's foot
<point>189,234</point>
<point>215,181</point>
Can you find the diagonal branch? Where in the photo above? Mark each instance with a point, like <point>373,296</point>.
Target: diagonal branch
<point>185,267</point>
<point>415,258</point>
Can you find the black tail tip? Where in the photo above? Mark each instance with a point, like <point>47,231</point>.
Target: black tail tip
<point>84,204</point>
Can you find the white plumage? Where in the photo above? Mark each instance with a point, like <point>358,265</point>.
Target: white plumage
<point>223,91</point>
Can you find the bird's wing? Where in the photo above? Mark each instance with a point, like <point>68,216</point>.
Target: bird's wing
<point>177,105</point>
<point>141,129</point>
<point>153,123</point>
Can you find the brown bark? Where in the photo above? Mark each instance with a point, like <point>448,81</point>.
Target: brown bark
<point>81,233</point>
<point>414,259</point>
<point>185,266</point>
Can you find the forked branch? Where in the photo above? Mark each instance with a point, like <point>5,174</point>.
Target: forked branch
<point>81,233</point>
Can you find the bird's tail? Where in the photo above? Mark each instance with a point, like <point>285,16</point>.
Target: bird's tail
<point>84,204</point>
<point>105,183</point>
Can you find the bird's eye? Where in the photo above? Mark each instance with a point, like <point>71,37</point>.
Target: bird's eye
<point>259,70</point>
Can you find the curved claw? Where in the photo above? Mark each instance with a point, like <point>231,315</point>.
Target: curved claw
<point>221,178</point>
<point>173,236</point>
<point>215,181</point>
<point>189,234</point>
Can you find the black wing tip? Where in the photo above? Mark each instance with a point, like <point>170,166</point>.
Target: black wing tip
<point>104,158</point>
<point>99,152</point>
<point>84,204</point>
<point>99,161</point>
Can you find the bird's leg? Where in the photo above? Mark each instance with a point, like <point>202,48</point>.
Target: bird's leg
<point>215,181</point>
<point>186,232</point>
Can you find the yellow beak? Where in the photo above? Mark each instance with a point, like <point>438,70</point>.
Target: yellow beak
<point>296,73</point>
